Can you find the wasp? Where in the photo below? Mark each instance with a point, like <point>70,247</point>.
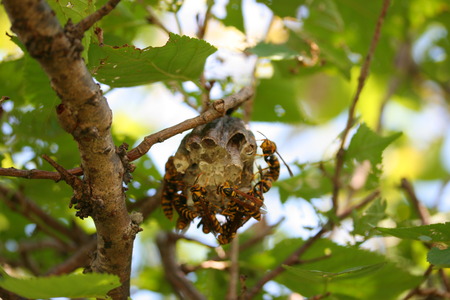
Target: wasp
<point>183,209</point>
<point>234,222</point>
<point>271,174</point>
<point>251,204</point>
<point>269,150</point>
<point>182,223</point>
<point>172,184</point>
<point>209,220</point>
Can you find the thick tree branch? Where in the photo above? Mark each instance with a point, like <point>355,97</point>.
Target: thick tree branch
<point>85,114</point>
<point>340,155</point>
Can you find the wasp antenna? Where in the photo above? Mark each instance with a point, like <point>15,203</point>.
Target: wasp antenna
<point>287,166</point>
<point>262,134</point>
<point>196,179</point>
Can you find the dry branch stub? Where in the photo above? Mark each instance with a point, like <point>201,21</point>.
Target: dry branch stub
<point>212,174</point>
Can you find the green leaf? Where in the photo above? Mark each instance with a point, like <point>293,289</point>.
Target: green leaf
<point>322,276</point>
<point>427,233</point>
<point>365,222</point>
<point>75,10</point>
<point>72,285</point>
<point>274,51</point>
<point>439,257</point>
<point>310,183</point>
<point>323,17</point>
<point>182,58</point>
<point>234,15</point>
<point>322,24</point>
<point>352,262</point>
<point>367,145</point>
<point>283,8</point>
<point>271,105</point>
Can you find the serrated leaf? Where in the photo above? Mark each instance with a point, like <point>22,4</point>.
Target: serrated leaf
<point>393,279</point>
<point>367,145</point>
<point>71,285</point>
<point>439,257</point>
<point>322,276</point>
<point>182,58</point>
<point>426,233</point>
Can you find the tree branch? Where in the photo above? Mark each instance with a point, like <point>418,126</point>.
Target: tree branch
<point>37,174</point>
<point>421,210</point>
<point>16,201</point>
<point>79,259</point>
<point>90,20</point>
<point>216,110</point>
<point>340,155</point>
<point>416,290</point>
<point>85,114</point>
<point>166,243</point>
<point>294,257</point>
<point>234,270</point>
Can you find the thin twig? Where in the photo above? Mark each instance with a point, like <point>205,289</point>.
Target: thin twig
<point>21,204</point>
<point>340,155</point>
<point>216,110</point>
<point>79,259</point>
<point>93,18</point>
<point>433,293</point>
<point>70,179</point>
<point>291,260</point>
<point>205,98</point>
<point>403,64</point>
<point>421,210</point>
<point>294,258</point>
<point>234,270</point>
<point>209,264</point>
<point>37,174</point>
<point>321,296</point>
<point>166,243</point>
<point>416,290</point>
<point>203,27</point>
<point>153,19</point>
<point>259,236</point>
<point>444,279</point>
<point>347,212</point>
<point>177,20</point>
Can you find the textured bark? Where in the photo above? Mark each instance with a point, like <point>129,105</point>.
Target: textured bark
<point>84,113</point>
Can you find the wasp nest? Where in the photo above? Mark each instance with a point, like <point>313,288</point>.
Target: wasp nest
<point>212,174</point>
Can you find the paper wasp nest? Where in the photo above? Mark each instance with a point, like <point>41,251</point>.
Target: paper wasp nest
<point>220,151</point>
<point>212,174</point>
